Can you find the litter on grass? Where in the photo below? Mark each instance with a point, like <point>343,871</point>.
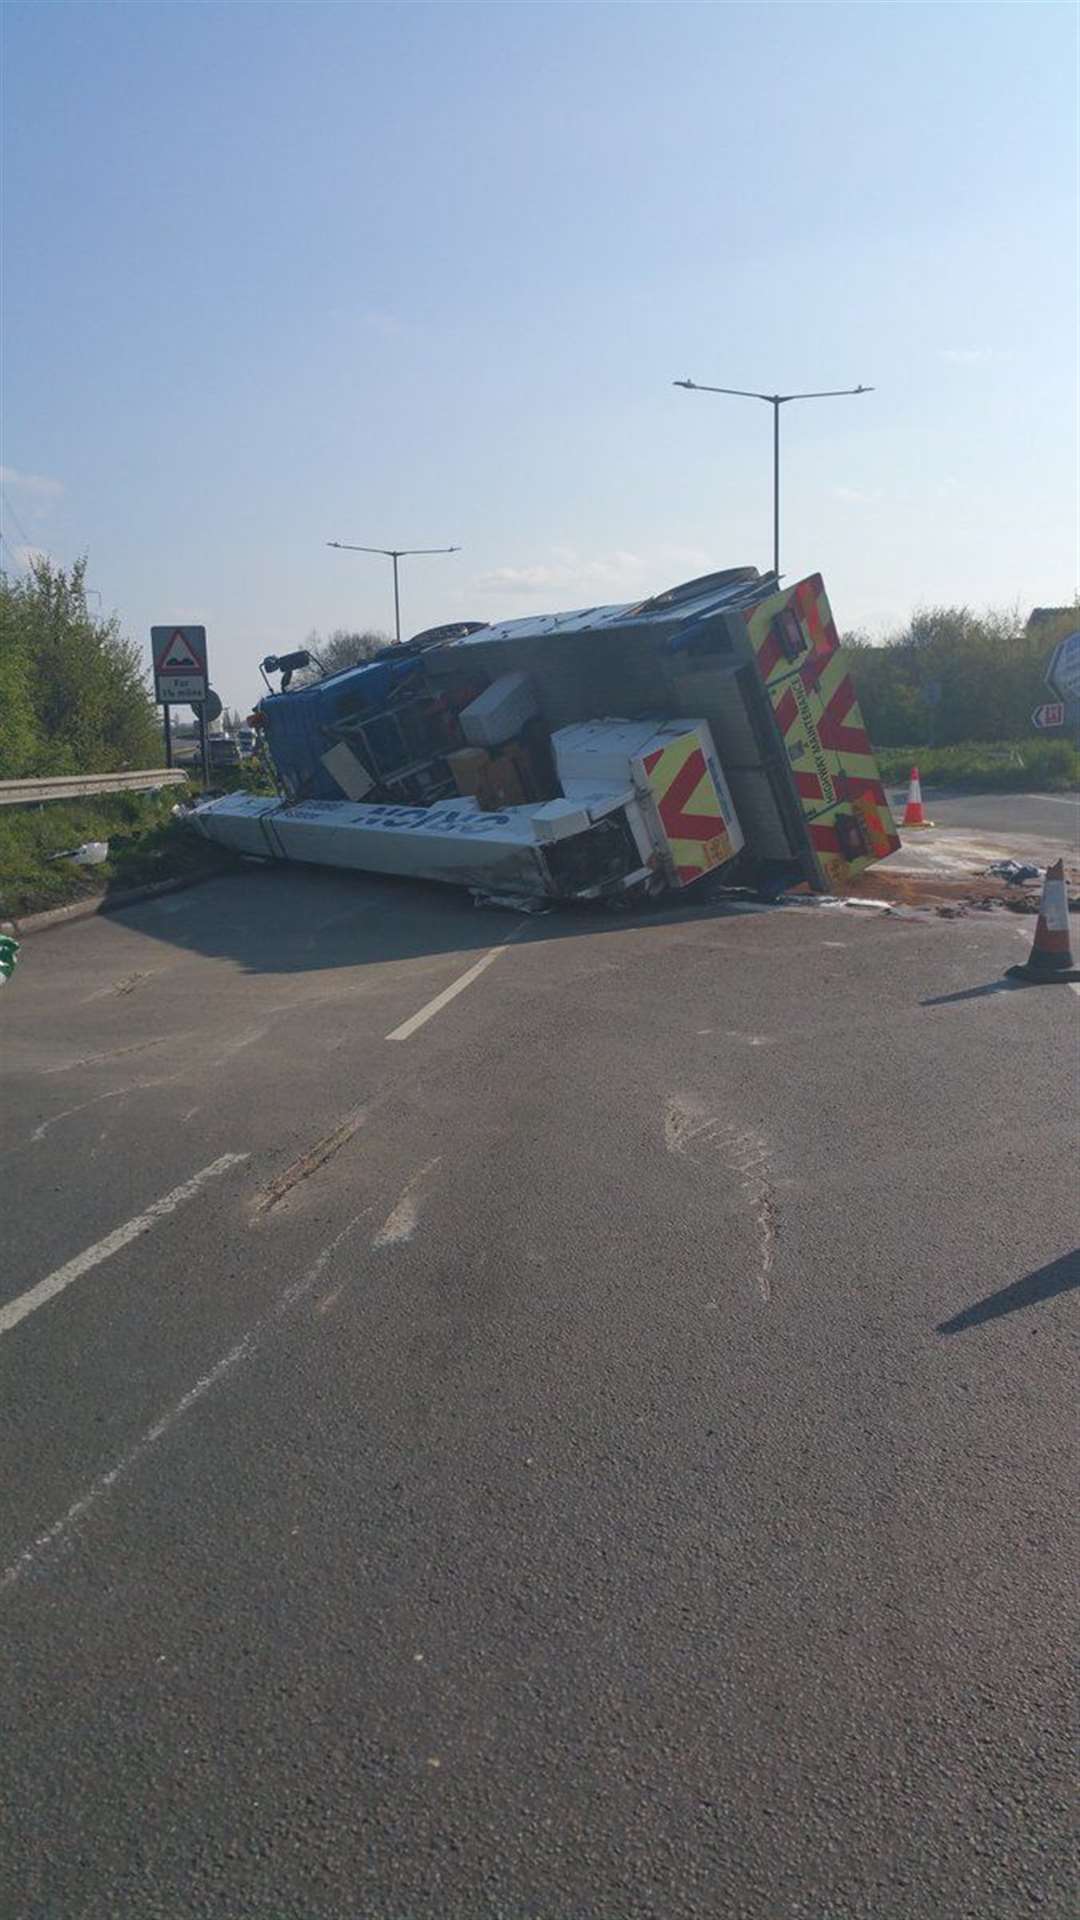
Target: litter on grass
<point>91,853</point>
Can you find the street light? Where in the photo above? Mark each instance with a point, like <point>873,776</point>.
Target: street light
<point>775,401</point>
<point>395,554</point>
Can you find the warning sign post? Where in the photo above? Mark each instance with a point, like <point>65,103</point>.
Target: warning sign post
<point>180,674</point>
<point>181,678</point>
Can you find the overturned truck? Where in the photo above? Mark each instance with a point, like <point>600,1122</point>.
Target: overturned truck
<point>602,754</point>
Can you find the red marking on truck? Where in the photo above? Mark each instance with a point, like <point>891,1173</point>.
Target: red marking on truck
<point>680,825</point>
<point>786,710</point>
<point>833,733</point>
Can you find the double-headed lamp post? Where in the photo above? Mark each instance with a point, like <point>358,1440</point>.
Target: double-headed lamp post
<point>395,554</point>
<point>775,401</point>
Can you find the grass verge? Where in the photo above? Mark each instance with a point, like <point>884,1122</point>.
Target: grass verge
<point>1046,766</point>
<point>146,844</point>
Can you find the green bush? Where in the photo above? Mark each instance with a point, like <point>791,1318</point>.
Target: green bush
<point>952,676</point>
<point>146,844</point>
<point>73,693</point>
<point>1003,765</point>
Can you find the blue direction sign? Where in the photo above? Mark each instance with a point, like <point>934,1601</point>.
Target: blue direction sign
<point>1063,672</point>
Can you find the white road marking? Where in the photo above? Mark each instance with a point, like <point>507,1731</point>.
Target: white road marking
<point>93,1059</point>
<point>400,1225</point>
<point>443,999</point>
<point>236,1046</point>
<point>54,1283</point>
<point>1058,799</point>
<point>113,1094</point>
<point>402,1222</point>
<point>243,1350</point>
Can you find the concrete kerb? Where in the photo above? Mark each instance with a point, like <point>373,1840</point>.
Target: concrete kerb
<point>103,903</point>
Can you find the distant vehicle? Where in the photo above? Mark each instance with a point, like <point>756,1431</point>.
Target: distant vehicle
<point>245,739</point>
<point>224,751</point>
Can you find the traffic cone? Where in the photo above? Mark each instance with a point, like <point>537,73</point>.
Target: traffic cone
<point>913,812</point>
<point>1050,960</point>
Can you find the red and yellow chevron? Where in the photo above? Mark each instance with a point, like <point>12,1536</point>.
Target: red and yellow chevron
<point>798,655</point>
<point>689,808</point>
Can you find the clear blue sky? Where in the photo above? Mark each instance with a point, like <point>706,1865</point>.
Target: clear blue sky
<point>424,274</point>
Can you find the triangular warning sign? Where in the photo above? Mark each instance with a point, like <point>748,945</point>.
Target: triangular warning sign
<point>179,656</point>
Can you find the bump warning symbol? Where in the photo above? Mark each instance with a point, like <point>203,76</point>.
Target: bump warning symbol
<point>179,663</point>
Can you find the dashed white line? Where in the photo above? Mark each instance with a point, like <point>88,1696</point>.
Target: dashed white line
<point>443,999</point>
<point>54,1283</point>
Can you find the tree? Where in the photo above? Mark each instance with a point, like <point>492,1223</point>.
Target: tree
<point>18,727</point>
<point>73,689</point>
<point>339,650</point>
<point>952,675</point>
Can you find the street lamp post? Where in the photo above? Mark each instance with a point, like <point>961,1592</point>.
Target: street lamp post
<point>395,554</point>
<point>775,401</point>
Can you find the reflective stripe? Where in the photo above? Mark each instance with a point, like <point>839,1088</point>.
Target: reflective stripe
<point>689,808</point>
<point>798,656</point>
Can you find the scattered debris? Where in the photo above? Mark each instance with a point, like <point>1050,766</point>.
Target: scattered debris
<point>877,906</point>
<point>1015,873</point>
<point>90,854</point>
<point>512,902</point>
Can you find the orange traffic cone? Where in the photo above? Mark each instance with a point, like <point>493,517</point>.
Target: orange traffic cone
<point>1050,959</point>
<point>914,815</point>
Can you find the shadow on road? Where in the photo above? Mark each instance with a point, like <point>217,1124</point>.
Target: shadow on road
<point>1060,1276</point>
<point>970,993</point>
<point>307,919</point>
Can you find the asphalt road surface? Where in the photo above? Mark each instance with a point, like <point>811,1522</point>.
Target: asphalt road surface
<point>1043,816</point>
<point>593,1443</point>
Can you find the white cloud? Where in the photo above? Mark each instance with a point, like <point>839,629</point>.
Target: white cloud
<point>968,356</point>
<point>855,496</point>
<point>37,485</point>
<point>566,572</point>
<point>517,579</point>
<point>566,578</point>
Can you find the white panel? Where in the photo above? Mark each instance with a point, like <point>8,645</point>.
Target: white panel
<point>500,712</point>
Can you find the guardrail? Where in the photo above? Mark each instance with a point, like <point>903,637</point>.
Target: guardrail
<point>78,786</point>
